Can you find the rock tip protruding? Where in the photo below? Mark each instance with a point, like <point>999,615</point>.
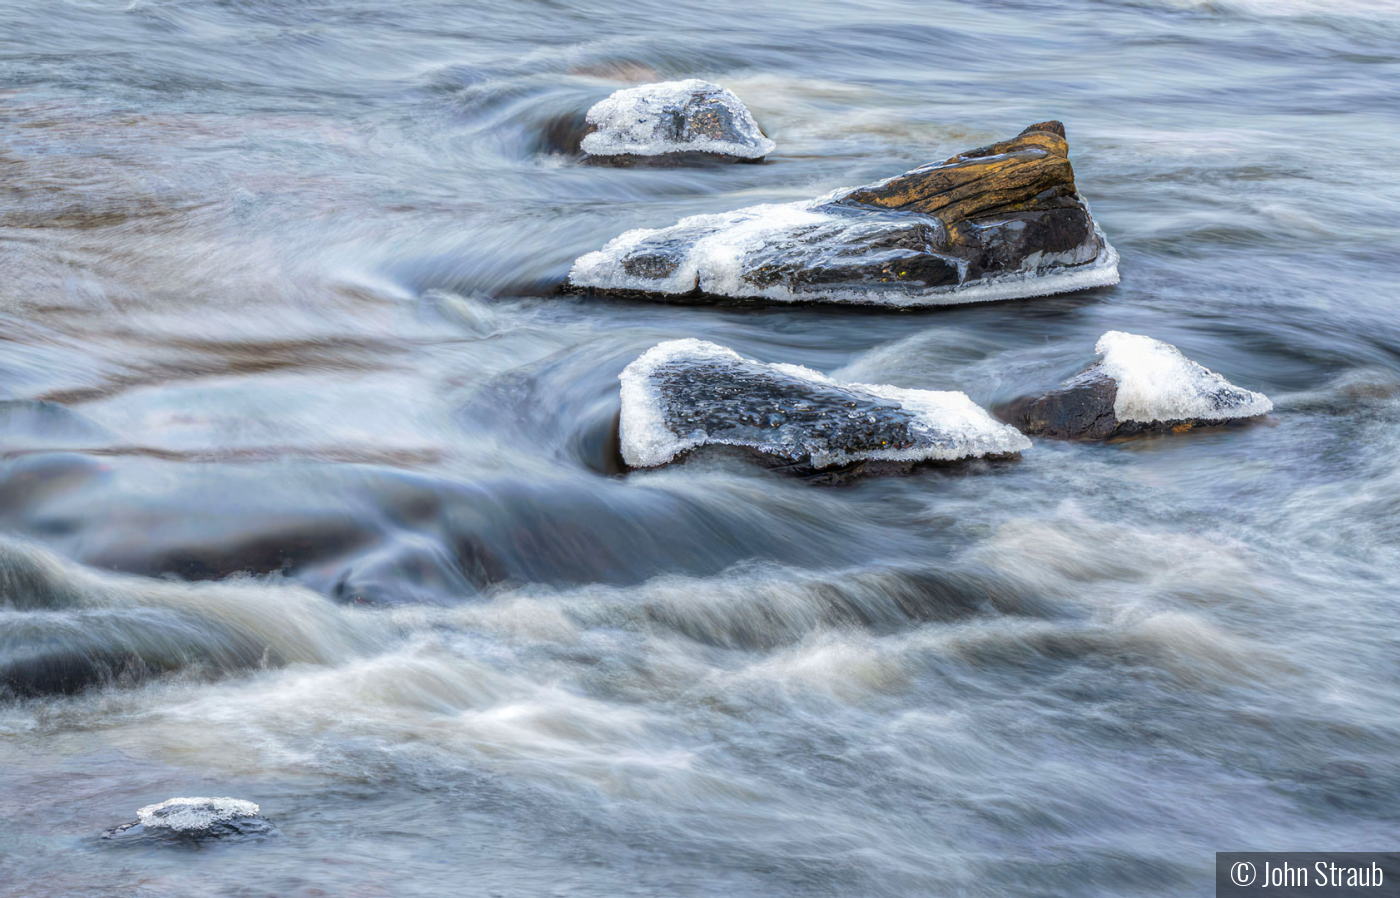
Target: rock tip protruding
<point>1050,127</point>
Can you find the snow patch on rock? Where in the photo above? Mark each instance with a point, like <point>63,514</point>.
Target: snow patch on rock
<point>691,116</point>
<point>1156,383</point>
<point>194,814</point>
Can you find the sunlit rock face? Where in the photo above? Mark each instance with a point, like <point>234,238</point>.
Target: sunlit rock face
<point>998,222</point>
<point>673,122</point>
<point>685,394</point>
<point>1139,384</point>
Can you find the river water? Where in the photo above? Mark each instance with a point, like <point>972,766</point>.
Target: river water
<point>279,335</point>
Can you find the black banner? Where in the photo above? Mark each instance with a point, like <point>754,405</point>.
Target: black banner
<point>1307,874</point>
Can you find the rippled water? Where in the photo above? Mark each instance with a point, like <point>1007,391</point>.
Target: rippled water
<point>279,334</point>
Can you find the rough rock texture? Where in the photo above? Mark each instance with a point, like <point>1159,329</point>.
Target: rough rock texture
<point>1029,173</point>
<point>684,394</point>
<point>673,123</point>
<point>997,222</point>
<point>1140,385</point>
<point>1082,409</point>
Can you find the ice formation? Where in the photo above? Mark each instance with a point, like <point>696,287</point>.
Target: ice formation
<point>1002,221</point>
<point>816,251</point>
<point>1156,383</point>
<point>1140,384</point>
<point>194,814</point>
<point>690,116</point>
<point>683,394</point>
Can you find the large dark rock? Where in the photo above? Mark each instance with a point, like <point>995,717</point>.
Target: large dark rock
<point>685,394</point>
<point>997,222</point>
<point>1139,385</point>
<point>672,123</point>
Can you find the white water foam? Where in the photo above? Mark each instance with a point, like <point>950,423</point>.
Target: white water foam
<point>718,243</point>
<point>1157,383</point>
<point>951,426</point>
<point>194,814</point>
<point>639,121</point>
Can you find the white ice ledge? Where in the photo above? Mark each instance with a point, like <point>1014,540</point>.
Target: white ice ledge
<point>1156,383</point>
<point>717,244</point>
<point>948,425</point>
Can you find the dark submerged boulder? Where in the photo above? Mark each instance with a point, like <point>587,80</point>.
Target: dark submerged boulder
<point>997,222</point>
<point>1139,385</point>
<point>685,394</point>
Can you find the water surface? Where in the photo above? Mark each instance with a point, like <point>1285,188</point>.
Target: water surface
<point>293,414</point>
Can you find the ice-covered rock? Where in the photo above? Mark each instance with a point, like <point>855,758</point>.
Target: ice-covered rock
<point>1139,384</point>
<point>684,394</point>
<point>998,222</point>
<point>188,814</point>
<point>673,121</point>
<point>194,818</point>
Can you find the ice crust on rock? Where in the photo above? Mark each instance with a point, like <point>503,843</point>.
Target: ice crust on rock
<point>691,116</point>
<point>725,254</point>
<point>188,815</point>
<point>683,394</point>
<point>1156,383</point>
<point>1003,221</point>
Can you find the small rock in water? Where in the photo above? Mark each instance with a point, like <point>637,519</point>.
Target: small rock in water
<point>999,222</point>
<point>673,122</point>
<point>1140,384</point>
<point>684,394</point>
<point>196,819</point>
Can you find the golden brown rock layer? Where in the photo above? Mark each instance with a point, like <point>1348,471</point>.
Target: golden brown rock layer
<point>1028,173</point>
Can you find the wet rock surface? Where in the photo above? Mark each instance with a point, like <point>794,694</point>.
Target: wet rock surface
<point>996,222</point>
<point>1140,385</point>
<point>685,394</point>
<point>672,123</point>
<point>1080,410</point>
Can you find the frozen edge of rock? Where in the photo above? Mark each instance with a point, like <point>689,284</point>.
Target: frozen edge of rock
<point>194,814</point>
<point>1157,384</point>
<point>628,122</point>
<point>190,821</point>
<point>1139,384</point>
<point>647,441</point>
<point>713,266</point>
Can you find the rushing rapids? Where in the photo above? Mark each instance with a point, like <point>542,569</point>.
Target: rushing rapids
<point>313,492</point>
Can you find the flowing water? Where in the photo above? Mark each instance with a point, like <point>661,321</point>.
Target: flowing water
<point>309,476</point>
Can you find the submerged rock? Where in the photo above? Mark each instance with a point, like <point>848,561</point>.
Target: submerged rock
<point>684,394</point>
<point>194,820</point>
<point>673,122</point>
<point>999,222</point>
<point>1140,384</point>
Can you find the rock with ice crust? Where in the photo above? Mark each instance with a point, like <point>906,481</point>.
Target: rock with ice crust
<point>684,394</point>
<point>999,222</point>
<point>1140,384</point>
<point>194,819</point>
<point>673,122</point>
